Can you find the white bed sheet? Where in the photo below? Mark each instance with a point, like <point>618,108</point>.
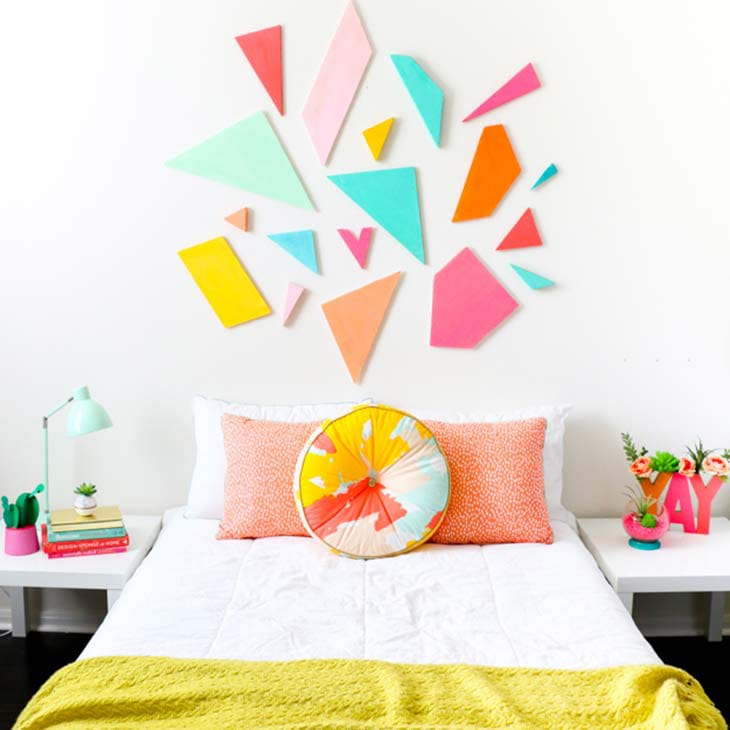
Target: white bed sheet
<point>288,598</point>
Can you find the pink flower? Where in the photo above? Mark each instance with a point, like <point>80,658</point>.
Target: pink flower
<point>716,465</point>
<point>687,467</point>
<point>641,467</point>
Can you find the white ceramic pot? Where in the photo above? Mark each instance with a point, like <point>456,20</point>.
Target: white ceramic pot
<point>84,506</point>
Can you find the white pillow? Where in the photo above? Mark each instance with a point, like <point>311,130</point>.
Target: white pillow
<point>205,498</point>
<point>552,453</point>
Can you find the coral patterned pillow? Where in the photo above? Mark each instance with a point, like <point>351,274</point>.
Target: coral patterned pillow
<point>497,490</point>
<point>261,458</point>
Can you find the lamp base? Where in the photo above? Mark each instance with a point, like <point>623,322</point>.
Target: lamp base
<point>21,540</point>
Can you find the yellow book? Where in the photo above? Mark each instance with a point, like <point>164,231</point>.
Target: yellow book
<point>103,517</point>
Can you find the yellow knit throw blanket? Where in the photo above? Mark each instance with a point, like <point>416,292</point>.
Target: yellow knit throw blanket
<point>157,692</point>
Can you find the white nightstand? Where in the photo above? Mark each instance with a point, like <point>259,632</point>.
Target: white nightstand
<point>100,572</point>
<point>685,563</point>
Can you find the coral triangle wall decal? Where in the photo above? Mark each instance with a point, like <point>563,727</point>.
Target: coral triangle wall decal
<point>336,84</point>
<point>239,219</point>
<point>355,319</point>
<point>390,198</point>
<point>523,82</point>
<point>249,156</point>
<point>426,95</point>
<point>523,234</point>
<point>300,244</point>
<point>262,48</point>
<point>468,302</point>
<point>493,170</point>
<point>359,245</point>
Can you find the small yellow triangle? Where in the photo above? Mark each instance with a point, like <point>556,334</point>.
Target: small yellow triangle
<point>375,136</point>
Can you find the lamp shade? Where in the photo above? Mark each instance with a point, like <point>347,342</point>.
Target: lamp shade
<point>85,415</point>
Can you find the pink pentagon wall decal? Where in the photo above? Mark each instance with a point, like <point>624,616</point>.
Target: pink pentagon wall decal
<point>468,302</point>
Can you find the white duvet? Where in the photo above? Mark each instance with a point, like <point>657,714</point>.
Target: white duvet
<point>289,598</point>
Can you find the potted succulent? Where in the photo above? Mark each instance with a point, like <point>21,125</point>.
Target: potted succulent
<point>20,517</point>
<point>85,502</point>
<point>644,528</point>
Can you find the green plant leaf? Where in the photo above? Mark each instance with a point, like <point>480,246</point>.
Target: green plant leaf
<point>31,511</point>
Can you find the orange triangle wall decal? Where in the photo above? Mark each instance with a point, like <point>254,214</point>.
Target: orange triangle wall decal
<point>355,319</point>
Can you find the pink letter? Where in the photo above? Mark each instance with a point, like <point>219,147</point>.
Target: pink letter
<point>678,494</point>
<point>705,495</point>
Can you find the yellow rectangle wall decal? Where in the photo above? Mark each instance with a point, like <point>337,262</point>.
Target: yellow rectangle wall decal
<point>224,282</point>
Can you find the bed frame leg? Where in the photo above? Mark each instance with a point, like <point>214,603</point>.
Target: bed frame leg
<point>716,616</point>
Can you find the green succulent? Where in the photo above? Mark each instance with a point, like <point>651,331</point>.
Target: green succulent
<point>698,453</point>
<point>648,521</point>
<point>642,503</point>
<point>664,461</point>
<point>85,490</point>
<point>24,511</point>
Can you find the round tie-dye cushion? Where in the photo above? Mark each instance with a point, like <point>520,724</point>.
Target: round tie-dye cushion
<point>372,483</point>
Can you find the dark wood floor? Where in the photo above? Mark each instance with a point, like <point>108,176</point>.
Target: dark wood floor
<point>26,663</point>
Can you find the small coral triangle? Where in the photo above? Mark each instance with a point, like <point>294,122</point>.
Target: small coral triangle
<point>239,219</point>
<point>376,135</point>
<point>523,234</point>
<point>533,280</point>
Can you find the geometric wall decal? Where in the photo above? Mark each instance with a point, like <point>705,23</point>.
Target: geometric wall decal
<point>376,135</point>
<point>549,171</point>
<point>534,281</point>
<point>426,95</point>
<point>300,244</point>
<point>523,234</point>
<point>293,294</point>
<point>335,86</point>
<point>390,197</point>
<point>520,84</point>
<point>358,245</point>
<point>468,302</point>
<point>262,48</point>
<point>249,156</point>
<point>239,219</point>
<point>224,282</point>
<point>492,172</point>
<point>355,319</point>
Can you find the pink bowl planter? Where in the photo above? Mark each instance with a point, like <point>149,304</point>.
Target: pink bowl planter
<point>21,540</point>
<point>645,538</point>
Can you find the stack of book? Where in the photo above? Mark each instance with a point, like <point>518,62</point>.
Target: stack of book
<point>68,535</point>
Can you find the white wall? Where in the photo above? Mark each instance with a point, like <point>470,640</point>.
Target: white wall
<point>97,95</point>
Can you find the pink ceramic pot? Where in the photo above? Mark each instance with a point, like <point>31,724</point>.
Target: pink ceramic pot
<point>645,538</point>
<point>21,540</point>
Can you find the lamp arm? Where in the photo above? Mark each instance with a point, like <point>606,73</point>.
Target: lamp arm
<point>46,500</point>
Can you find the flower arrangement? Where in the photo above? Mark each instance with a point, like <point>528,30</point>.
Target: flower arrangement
<point>697,460</point>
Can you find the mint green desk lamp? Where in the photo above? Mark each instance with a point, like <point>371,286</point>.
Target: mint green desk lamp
<point>85,416</point>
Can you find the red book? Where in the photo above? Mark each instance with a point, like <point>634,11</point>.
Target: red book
<point>77,547</point>
<point>100,551</point>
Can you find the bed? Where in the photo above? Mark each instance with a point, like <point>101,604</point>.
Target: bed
<point>284,598</point>
<point>280,632</point>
